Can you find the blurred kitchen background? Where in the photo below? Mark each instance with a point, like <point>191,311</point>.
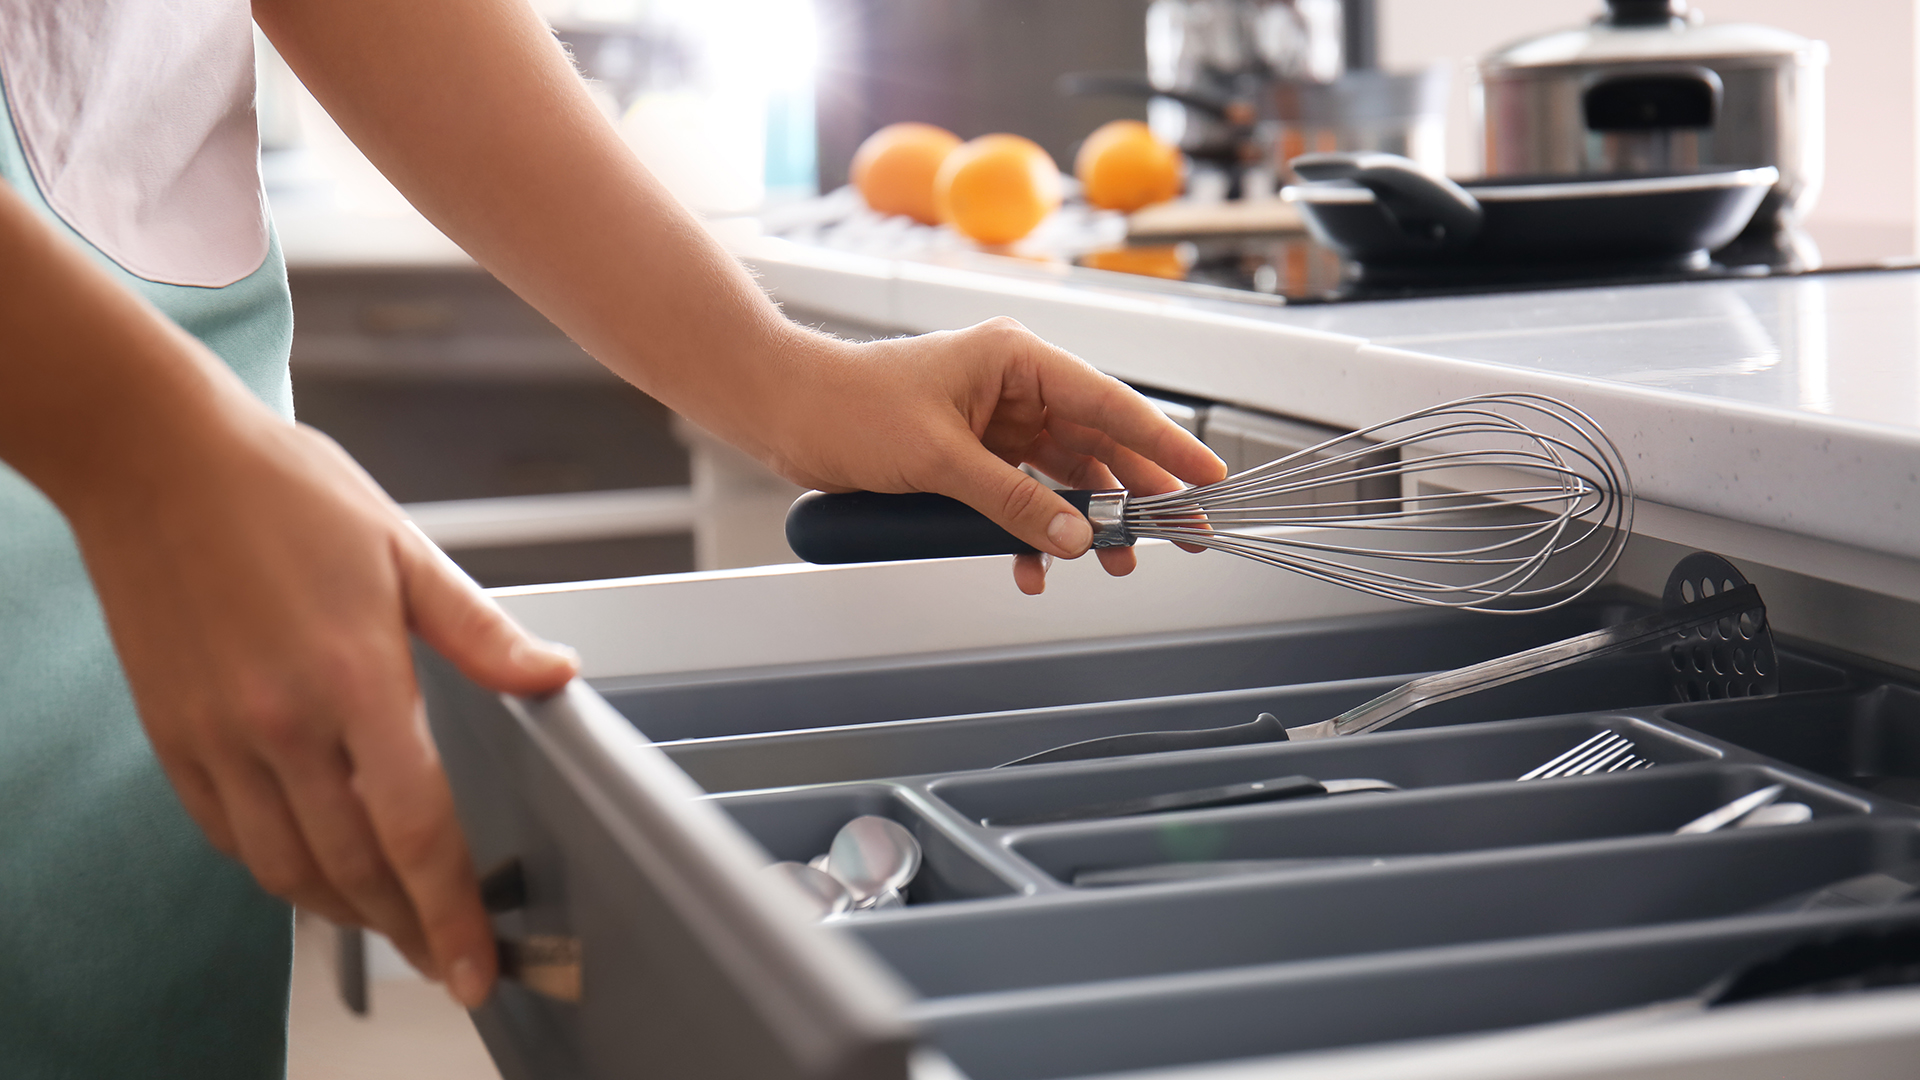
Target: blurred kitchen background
<point>530,464</point>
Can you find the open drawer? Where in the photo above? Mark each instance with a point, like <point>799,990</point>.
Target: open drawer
<point>1461,905</point>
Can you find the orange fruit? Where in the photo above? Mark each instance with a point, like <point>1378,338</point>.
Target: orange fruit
<point>1124,166</point>
<point>895,167</point>
<point>996,188</point>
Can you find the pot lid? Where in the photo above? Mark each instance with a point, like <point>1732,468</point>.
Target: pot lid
<point>1661,31</point>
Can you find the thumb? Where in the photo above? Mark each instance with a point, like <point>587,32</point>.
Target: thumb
<point>448,610</point>
<point>1015,501</point>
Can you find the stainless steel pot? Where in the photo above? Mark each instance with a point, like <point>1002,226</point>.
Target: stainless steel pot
<point>1648,88</point>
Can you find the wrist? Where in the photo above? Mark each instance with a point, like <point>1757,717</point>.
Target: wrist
<point>163,427</point>
<point>756,393</point>
<point>807,376</point>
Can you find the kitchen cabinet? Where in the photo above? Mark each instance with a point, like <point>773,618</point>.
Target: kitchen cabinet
<point>516,452</point>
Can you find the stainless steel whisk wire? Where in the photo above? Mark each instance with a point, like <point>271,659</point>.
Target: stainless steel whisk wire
<point>1584,494</point>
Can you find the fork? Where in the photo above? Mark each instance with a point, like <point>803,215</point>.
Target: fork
<point>1606,751</point>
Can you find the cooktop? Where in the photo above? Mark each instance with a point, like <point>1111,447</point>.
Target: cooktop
<point>1290,267</point>
<point>1293,268</point>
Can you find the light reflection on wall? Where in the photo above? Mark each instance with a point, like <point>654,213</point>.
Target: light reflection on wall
<point>718,98</point>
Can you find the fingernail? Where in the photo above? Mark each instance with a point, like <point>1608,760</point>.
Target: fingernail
<point>1046,563</point>
<point>463,980</point>
<point>1070,533</point>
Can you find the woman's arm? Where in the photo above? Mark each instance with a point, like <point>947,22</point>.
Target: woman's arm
<point>474,112</point>
<point>259,589</point>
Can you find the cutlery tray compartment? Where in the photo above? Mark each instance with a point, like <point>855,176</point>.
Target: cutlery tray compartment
<point>1480,817</point>
<point>797,825</point>
<point>946,743</point>
<point>716,704</point>
<point>1312,914</point>
<point>1469,754</point>
<point>1103,1028</point>
<point>1869,739</point>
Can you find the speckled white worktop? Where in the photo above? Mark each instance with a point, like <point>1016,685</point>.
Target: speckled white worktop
<point>1791,404</point>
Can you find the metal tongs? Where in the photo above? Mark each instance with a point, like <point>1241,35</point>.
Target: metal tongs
<point>1447,685</point>
<point>1725,650</point>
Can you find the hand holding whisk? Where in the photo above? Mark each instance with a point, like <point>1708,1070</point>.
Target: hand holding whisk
<point>1501,502</point>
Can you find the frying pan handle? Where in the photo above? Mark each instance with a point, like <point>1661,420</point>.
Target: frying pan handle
<point>867,526</point>
<point>1430,209</point>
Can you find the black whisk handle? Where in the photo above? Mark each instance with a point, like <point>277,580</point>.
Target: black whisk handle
<point>867,526</point>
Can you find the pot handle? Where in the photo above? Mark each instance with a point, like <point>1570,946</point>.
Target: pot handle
<point>1433,211</point>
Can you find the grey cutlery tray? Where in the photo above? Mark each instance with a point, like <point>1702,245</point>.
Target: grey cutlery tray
<point>818,723</point>
<point>1466,902</point>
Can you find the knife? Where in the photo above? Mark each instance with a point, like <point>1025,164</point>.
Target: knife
<point>1257,791</point>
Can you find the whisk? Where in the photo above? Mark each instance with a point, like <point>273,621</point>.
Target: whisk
<point>1506,503</point>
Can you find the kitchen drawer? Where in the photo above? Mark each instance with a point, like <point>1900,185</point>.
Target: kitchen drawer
<point>1463,904</point>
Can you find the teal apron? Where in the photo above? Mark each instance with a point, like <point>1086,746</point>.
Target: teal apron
<point>129,947</point>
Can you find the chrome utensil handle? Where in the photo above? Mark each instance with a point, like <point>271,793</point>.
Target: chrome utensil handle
<point>867,526</point>
<point>1717,819</point>
<point>1460,682</point>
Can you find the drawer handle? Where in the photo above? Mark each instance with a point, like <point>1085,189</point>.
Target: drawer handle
<point>544,963</point>
<point>504,888</point>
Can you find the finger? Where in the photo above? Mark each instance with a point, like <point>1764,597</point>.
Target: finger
<point>202,801</point>
<point>1084,473</point>
<point>1135,472</point>
<point>318,786</point>
<point>1142,477</point>
<point>1075,470</point>
<point>269,843</point>
<point>398,778</point>
<point>449,611</point>
<point>1030,572</point>
<point>1074,391</point>
<point>1015,501</point>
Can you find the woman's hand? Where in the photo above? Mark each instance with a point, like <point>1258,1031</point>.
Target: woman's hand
<point>958,412</point>
<point>260,600</point>
<point>259,589</point>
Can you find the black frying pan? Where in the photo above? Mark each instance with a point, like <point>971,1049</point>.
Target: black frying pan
<point>1384,209</point>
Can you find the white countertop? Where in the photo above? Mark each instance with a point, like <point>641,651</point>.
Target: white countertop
<point>1790,403</point>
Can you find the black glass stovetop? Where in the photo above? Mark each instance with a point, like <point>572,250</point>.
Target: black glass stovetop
<point>1293,268</point>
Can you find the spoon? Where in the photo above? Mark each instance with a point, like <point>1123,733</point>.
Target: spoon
<point>825,894</point>
<point>873,856</point>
